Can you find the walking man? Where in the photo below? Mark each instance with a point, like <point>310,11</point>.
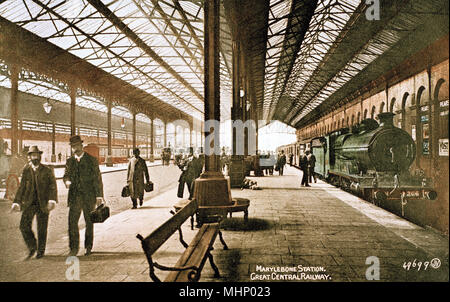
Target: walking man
<point>83,179</point>
<point>37,195</point>
<point>137,169</point>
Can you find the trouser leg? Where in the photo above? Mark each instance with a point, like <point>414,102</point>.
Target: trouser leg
<point>191,191</point>
<point>134,200</point>
<point>88,207</point>
<point>190,188</point>
<point>42,225</point>
<point>25,227</point>
<point>74,233</point>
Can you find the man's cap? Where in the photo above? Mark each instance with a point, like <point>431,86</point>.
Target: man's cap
<point>75,139</point>
<point>34,149</point>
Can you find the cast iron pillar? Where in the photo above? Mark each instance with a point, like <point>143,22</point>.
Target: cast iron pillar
<point>134,130</point>
<point>73,99</point>
<point>236,172</point>
<point>108,159</point>
<point>211,188</point>
<point>14,102</point>
<point>152,140</point>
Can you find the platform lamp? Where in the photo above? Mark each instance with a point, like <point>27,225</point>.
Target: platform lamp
<point>48,108</point>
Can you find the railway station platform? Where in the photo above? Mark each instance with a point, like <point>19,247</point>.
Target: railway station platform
<point>320,231</point>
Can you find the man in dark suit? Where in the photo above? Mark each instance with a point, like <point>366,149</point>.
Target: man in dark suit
<point>137,169</point>
<point>37,195</point>
<point>83,179</point>
<point>189,171</point>
<point>304,168</point>
<point>282,162</point>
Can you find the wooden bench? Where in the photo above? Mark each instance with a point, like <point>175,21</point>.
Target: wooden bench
<point>191,262</point>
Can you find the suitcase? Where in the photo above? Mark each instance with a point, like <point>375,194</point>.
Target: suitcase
<point>100,214</point>
<point>125,191</point>
<point>148,187</point>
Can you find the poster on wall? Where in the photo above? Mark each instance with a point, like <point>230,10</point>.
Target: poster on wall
<point>425,131</point>
<point>443,147</point>
<point>425,147</point>
<point>413,132</point>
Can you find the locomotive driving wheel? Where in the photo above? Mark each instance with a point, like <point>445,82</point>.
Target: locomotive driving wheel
<point>12,184</point>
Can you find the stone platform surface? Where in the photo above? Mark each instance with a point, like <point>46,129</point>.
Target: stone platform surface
<point>294,234</point>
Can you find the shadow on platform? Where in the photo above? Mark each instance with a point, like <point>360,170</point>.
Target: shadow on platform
<point>253,224</point>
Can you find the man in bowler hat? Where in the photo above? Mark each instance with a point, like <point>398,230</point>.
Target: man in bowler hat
<point>83,179</point>
<point>37,195</point>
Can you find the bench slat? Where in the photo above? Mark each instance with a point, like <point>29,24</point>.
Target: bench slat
<point>194,255</point>
<point>164,231</point>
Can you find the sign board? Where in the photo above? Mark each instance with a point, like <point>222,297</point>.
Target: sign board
<point>443,147</point>
<point>413,132</point>
<point>425,147</point>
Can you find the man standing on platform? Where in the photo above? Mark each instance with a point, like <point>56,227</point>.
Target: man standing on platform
<point>304,168</point>
<point>311,165</point>
<point>137,169</point>
<point>83,179</point>
<point>187,175</point>
<point>282,163</point>
<point>37,195</point>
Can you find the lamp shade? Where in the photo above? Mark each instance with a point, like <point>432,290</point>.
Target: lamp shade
<point>47,107</point>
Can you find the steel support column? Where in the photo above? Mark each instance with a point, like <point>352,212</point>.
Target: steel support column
<point>53,157</point>
<point>14,103</point>
<point>165,133</point>
<point>236,172</point>
<point>108,159</point>
<point>152,140</point>
<point>134,130</point>
<point>211,188</point>
<point>73,98</point>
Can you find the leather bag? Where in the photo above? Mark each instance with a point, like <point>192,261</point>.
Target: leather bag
<point>100,214</point>
<point>126,191</point>
<point>148,187</point>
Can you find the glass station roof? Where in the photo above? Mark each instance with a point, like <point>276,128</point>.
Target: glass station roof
<point>157,47</point>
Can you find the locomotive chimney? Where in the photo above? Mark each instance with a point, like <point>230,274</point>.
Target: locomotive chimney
<point>386,119</point>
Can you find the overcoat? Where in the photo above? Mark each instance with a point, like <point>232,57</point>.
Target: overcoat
<point>135,179</point>
<point>85,178</point>
<point>45,187</point>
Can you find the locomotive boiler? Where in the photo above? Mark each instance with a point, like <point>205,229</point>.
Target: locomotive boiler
<point>372,161</point>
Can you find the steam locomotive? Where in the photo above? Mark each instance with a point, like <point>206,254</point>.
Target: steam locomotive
<point>372,161</point>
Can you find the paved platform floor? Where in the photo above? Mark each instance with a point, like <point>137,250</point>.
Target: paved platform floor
<point>320,231</point>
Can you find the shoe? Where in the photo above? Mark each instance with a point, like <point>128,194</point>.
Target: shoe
<point>134,207</point>
<point>307,186</point>
<point>39,255</point>
<point>88,252</point>
<point>30,254</point>
<point>73,252</point>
